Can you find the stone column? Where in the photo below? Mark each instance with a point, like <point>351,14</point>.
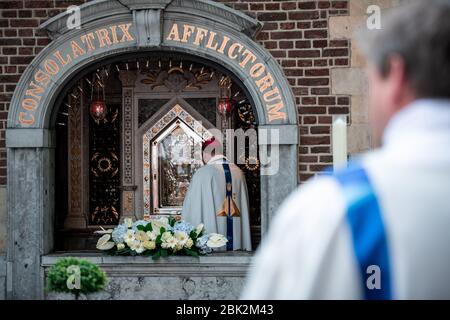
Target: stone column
<point>78,169</point>
<point>278,153</point>
<point>30,209</point>
<point>128,79</point>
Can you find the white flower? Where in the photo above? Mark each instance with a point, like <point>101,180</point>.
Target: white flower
<point>216,240</point>
<point>104,244</point>
<point>162,222</point>
<point>137,246</point>
<point>103,231</point>
<point>168,241</point>
<point>120,246</point>
<point>141,235</point>
<point>189,243</point>
<point>152,235</point>
<point>140,247</point>
<point>129,237</point>
<point>165,236</point>
<point>199,228</point>
<point>182,237</point>
<point>128,222</point>
<point>150,245</point>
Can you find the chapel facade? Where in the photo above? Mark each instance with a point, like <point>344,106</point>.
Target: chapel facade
<point>104,121</point>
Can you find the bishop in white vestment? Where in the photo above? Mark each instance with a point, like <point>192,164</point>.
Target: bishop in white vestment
<point>206,202</point>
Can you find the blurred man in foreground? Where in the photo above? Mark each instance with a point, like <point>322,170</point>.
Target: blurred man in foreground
<point>379,229</point>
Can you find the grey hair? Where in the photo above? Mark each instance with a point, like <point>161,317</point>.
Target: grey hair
<point>420,34</point>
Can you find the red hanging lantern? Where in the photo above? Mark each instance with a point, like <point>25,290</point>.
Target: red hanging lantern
<point>98,110</point>
<point>225,107</point>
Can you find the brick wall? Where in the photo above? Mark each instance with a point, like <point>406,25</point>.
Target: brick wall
<point>295,32</point>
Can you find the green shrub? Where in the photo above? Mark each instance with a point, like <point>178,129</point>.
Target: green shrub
<point>91,277</point>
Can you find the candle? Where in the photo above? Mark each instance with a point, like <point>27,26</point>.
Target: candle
<point>339,141</point>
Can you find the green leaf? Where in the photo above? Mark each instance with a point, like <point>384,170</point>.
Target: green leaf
<point>157,255</point>
<point>148,227</point>
<point>140,227</point>
<point>164,253</point>
<point>162,230</point>
<point>191,252</point>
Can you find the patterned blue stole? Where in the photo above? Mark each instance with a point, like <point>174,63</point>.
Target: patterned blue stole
<point>229,194</point>
<point>367,228</point>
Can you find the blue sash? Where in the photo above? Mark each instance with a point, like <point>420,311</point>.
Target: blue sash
<point>367,228</point>
<point>229,194</point>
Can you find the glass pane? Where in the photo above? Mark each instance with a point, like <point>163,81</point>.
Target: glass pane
<point>179,158</point>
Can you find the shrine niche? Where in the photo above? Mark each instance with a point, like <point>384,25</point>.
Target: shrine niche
<point>171,155</point>
<point>133,131</point>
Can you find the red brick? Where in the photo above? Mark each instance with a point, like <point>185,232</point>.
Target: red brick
<point>289,5</point>
<point>32,23</point>
<point>320,130</point>
<point>314,81</point>
<point>316,34</point>
<point>286,35</point>
<point>303,44</point>
<point>5,4</point>
<point>309,100</point>
<point>324,4</point>
<point>308,159</point>
<point>326,101</point>
<point>309,120</point>
<point>9,13</point>
<point>339,4</point>
<point>272,16</point>
<point>320,24</point>
<point>20,59</point>
<point>312,110</point>
<point>10,42</point>
<point>320,150</point>
<point>343,101</point>
<point>307,5</point>
<point>10,33</point>
<point>39,4</point>
<point>9,51</point>
<point>286,44</point>
<point>287,25</point>
<point>304,15</point>
<point>338,110</point>
<point>317,72</point>
<point>313,140</point>
<point>304,53</point>
<point>335,52</point>
<point>272,6</point>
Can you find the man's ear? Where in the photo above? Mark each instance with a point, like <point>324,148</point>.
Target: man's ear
<point>398,82</point>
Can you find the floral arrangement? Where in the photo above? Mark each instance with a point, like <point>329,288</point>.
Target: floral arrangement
<point>159,238</point>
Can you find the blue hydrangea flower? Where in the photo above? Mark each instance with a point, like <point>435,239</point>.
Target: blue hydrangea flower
<point>119,233</point>
<point>201,244</point>
<point>184,227</point>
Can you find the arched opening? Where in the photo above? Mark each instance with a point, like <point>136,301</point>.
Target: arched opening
<point>173,96</point>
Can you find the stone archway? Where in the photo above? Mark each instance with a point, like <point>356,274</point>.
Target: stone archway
<point>199,27</point>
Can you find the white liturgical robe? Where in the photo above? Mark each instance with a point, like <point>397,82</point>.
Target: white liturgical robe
<point>309,254</point>
<point>205,199</point>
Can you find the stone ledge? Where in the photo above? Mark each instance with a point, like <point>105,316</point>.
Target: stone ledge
<point>233,264</point>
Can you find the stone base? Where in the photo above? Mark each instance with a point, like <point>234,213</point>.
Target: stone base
<point>2,277</point>
<point>218,276</point>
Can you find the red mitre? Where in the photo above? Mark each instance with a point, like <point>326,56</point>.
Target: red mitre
<point>211,141</point>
